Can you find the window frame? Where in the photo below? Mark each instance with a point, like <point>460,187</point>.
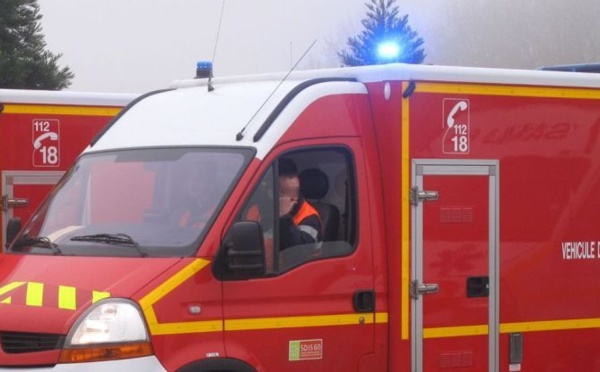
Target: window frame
<point>349,239</point>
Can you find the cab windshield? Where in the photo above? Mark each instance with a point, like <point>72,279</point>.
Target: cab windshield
<point>143,202</point>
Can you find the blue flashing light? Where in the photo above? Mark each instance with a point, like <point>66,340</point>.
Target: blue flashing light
<point>388,50</point>
<point>204,69</point>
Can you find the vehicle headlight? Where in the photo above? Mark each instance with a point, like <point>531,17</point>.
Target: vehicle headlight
<point>110,329</point>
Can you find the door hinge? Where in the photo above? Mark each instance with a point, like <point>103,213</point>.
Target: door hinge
<point>13,202</point>
<point>417,195</point>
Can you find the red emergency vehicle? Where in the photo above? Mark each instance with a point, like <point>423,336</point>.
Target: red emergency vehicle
<point>458,207</point>
<point>41,135</point>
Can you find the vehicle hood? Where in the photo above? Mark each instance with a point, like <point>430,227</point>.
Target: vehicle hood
<point>46,294</point>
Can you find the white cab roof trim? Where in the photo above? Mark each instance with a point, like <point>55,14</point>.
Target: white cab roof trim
<point>196,117</point>
<point>398,71</point>
<point>47,97</point>
<point>298,105</point>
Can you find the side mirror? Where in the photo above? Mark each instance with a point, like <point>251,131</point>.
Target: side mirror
<point>12,230</point>
<point>245,250</point>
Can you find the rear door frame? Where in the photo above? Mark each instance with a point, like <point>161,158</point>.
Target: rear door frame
<point>425,167</point>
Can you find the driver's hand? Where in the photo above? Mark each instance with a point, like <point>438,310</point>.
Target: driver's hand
<point>286,204</point>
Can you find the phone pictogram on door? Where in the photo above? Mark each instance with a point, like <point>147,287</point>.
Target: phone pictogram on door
<point>46,142</point>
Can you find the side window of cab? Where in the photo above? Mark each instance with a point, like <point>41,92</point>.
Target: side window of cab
<point>305,209</point>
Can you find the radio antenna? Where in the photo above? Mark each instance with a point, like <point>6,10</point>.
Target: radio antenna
<point>218,31</point>
<point>240,134</point>
<point>204,69</point>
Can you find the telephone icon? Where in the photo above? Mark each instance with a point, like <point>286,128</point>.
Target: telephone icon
<point>38,141</point>
<point>462,106</point>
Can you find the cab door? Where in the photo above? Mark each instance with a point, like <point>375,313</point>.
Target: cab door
<point>455,255</point>
<point>314,308</point>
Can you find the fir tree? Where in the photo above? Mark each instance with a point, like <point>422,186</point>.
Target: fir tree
<point>24,61</point>
<point>383,24</point>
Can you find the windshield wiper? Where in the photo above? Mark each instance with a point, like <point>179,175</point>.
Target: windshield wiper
<point>39,241</point>
<point>116,239</point>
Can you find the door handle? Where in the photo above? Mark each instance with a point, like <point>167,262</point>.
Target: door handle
<point>478,286</point>
<point>417,289</point>
<point>13,202</point>
<point>364,301</point>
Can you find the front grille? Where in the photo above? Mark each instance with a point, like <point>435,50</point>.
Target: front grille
<point>19,343</point>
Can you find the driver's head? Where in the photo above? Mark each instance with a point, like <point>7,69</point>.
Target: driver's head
<point>289,182</point>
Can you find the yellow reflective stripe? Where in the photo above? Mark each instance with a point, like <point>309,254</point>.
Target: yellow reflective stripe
<point>405,223</point>
<point>550,325</point>
<point>156,328</point>
<point>381,318</point>
<point>9,287</point>
<point>97,296</point>
<point>298,322</point>
<point>439,332</point>
<point>546,325</point>
<point>508,90</point>
<point>268,323</point>
<point>186,327</point>
<point>67,297</point>
<point>35,294</point>
<point>61,110</point>
<point>170,284</point>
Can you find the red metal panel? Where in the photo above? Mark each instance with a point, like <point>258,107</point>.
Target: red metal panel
<point>316,289</point>
<point>387,131</point>
<point>455,248</point>
<point>17,142</point>
<point>28,143</point>
<point>35,194</point>
<point>183,342</point>
<point>320,288</point>
<point>331,116</point>
<point>548,151</point>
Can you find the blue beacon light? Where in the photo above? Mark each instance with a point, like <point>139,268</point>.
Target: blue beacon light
<point>388,50</point>
<point>204,69</point>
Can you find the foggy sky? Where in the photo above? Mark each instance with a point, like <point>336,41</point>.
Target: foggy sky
<point>141,45</point>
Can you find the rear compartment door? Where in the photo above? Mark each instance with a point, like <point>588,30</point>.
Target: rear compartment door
<point>454,256</point>
<point>23,192</point>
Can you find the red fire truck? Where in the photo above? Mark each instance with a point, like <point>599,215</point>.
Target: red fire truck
<point>458,216</point>
<point>41,134</point>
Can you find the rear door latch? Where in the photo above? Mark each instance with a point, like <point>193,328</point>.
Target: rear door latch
<point>417,195</point>
<point>417,289</point>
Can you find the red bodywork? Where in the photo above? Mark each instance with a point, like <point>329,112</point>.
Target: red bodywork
<point>543,152</point>
<point>38,143</point>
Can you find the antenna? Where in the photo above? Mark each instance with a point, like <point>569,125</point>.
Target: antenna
<point>240,134</point>
<point>218,31</point>
<point>205,69</point>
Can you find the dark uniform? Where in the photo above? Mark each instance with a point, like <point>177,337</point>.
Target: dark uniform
<point>301,226</point>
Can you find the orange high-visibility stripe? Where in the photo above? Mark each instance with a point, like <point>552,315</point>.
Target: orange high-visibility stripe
<point>185,219</point>
<point>306,210</point>
<point>253,214</point>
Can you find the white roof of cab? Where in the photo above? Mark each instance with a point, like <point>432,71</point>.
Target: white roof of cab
<point>399,71</point>
<point>196,117</point>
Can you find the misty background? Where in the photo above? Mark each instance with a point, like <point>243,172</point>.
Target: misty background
<point>142,45</point>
